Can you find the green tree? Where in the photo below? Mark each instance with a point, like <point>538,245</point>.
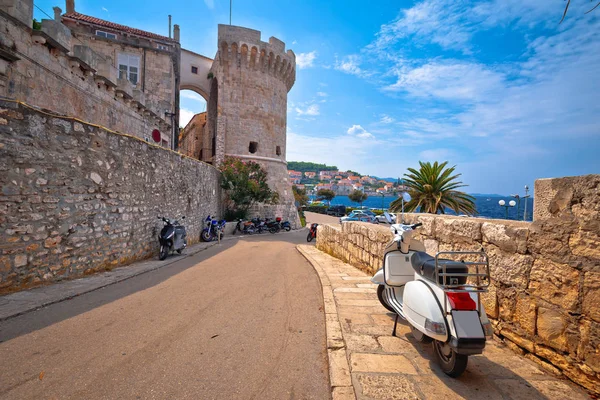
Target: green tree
<point>358,196</point>
<point>325,194</point>
<point>300,196</point>
<point>245,184</point>
<point>433,189</point>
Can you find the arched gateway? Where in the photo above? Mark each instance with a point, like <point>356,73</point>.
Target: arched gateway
<point>246,87</point>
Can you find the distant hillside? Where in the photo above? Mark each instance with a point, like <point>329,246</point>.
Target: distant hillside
<point>303,166</point>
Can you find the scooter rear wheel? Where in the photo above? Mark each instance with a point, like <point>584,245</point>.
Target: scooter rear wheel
<point>380,290</point>
<point>452,363</point>
<point>309,237</point>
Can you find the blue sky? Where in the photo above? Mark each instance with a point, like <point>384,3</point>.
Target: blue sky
<point>496,87</point>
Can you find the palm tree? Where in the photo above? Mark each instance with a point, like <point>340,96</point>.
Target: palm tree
<point>433,189</point>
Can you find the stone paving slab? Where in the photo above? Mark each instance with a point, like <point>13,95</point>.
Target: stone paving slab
<point>14,304</point>
<point>381,366</point>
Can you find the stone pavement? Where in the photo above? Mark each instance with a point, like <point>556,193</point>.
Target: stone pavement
<point>367,362</point>
<point>19,303</point>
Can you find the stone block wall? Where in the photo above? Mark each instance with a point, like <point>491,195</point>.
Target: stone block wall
<point>76,199</point>
<point>545,293</point>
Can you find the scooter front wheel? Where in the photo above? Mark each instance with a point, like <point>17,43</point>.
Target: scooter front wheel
<point>380,290</point>
<point>164,252</point>
<point>309,237</point>
<point>452,363</point>
<point>205,236</point>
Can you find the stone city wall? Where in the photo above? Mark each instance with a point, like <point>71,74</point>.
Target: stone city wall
<point>77,199</point>
<point>51,70</point>
<point>545,293</point>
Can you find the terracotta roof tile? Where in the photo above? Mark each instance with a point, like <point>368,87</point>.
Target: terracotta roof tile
<point>115,27</point>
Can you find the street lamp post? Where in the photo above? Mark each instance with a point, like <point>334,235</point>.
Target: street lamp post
<point>516,196</point>
<point>511,203</point>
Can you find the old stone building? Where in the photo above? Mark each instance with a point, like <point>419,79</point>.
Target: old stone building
<point>147,64</point>
<point>71,66</point>
<point>190,137</point>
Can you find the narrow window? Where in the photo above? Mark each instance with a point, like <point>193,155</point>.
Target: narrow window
<point>162,47</point>
<point>253,147</point>
<point>278,150</point>
<point>194,70</point>
<point>129,66</point>
<point>106,34</point>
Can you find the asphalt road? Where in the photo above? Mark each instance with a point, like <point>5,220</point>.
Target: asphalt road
<point>241,320</point>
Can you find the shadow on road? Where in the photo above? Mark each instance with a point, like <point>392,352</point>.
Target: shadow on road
<point>54,313</point>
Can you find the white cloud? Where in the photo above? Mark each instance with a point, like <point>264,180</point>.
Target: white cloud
<point>305,60</point>
<point>294,42</point>
<point>185,116</point>
<point>359,131</point>
<point>104,9</point>
<point>311,110</point>
<point>321,94</point>
<point>210,4</point>
<point>452,79</point>
<point>350,65</point>
<point>386,119</point>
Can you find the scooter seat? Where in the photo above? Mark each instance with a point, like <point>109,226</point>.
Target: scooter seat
<point>424,265</point>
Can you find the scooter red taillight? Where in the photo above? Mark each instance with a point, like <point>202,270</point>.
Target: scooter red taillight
<point>461,301</point>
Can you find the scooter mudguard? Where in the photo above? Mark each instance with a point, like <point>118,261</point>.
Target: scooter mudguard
<point>378,277</point>
<point>422,309</point>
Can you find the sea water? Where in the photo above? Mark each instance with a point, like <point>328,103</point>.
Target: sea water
<point>487,206</point>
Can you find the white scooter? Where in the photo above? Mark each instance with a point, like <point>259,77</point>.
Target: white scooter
<point>439,298</point>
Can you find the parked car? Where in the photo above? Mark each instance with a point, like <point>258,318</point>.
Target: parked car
<point>359,216</point>
<point>336,211</point>
<point>381,218</point>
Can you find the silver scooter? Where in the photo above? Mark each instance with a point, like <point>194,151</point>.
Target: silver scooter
<point>438,297</point>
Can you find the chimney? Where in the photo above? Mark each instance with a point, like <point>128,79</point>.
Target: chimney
<point>176,32</point>
<point>70,6</point>
<point>169,26</point>
<point>57,12</point>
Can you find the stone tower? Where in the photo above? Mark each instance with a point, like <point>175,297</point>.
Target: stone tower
<point>247,108</point>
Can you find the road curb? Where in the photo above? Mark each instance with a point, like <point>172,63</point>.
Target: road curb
<point>339,369</point>
<point>108,275</point>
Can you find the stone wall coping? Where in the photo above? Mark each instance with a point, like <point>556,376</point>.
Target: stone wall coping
<point>508,222</point>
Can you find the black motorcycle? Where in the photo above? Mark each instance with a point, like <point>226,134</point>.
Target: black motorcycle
<point>173,237</point>
<point>273,226</point>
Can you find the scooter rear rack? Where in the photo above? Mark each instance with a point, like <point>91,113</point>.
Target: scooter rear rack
<point>482,278</point>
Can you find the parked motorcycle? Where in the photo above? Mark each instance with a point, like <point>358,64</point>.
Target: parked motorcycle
<point>312,234</point>
<point>274,226</point>
<point>438,297</point>
<point>245,227</point>
<point>213,229</point>
<point>172,237</point>
<point>286,226</point>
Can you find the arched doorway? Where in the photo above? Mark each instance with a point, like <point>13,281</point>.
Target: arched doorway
<point>192,121</point>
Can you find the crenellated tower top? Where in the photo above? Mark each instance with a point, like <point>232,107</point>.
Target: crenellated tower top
<point>244,47</point>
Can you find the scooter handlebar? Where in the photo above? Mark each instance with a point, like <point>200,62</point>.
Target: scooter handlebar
<point>418,224</point>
